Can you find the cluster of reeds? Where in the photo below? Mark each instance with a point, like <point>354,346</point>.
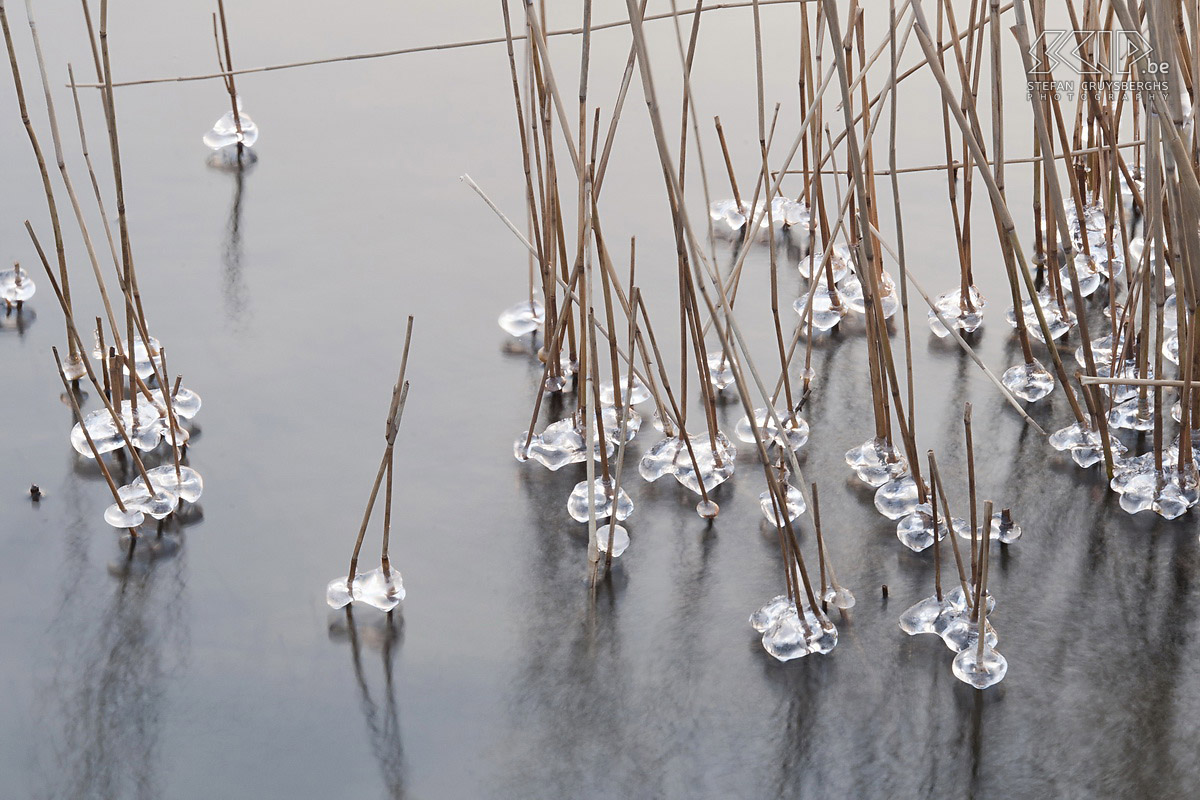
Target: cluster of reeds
<point>126,366</point>
<point>1115,181</point>
<point>1113,258</point>
<point>382,587</point>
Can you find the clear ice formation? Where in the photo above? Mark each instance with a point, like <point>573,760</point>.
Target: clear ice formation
<point>946,616</point>
<point>187,484</point>
<point>225,130</point>
<point>15,286</point>
<point>787,636</point>
<point>1058,321</point>
<point>1177,415</point>
<point>129,518</point>
<point>897,498</point>
<point>980,670</point>
<point>1087,271</point>
<point>620,539</point>
<point>562,442</point>
<point>1170,348</point>
<point>639,393</point>
<point>852,294</point>
<point>720,371</point>
<point>1171,313</point>
<point>1109,266</point>
<point>1133,414</point>
<point>729,218</point>
<point>612,425</point>
<point>1169,493</point>
<point>958,598</point>
<point>839,262</point>
<point>1094,224</point>
<point>765,617</point>
<point>185,403</point>
<point>953,305</point>
<point>795,506</point>
<point>1137,247</point>
<point>839,597</point>
<point>1003,531</point>
<point>522,318</point>
<point>374,587</point>
<point>794,435</point>
<point>828,307</point>
<point>915,530</point>
<point>1084,444</point>
<point>577,503</point>
<point>1121,392</point>
<point>670,457</point>
<point>1030,382</point>
<point>144,431</point>
<point>1127,198</point>
<point>786,212</point>
<point>876,461</point>
<point>920,617</point>
<point>158,502</point>
<point>959,632</point>
<point>1127,467</point>
<point>998,530</point>
<point>145,360</point>
<point>74,368</point>
<point>1102,351</point>
<point>567,368</point>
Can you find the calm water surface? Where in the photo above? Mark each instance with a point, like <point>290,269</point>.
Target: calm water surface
<point>218,670</point>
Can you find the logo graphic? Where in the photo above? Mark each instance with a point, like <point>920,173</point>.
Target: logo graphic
<point>1106,53</point>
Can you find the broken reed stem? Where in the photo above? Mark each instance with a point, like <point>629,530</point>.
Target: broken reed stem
<point>395,413</point>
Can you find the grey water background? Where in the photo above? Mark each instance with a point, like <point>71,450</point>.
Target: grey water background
<point>218,670</point>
